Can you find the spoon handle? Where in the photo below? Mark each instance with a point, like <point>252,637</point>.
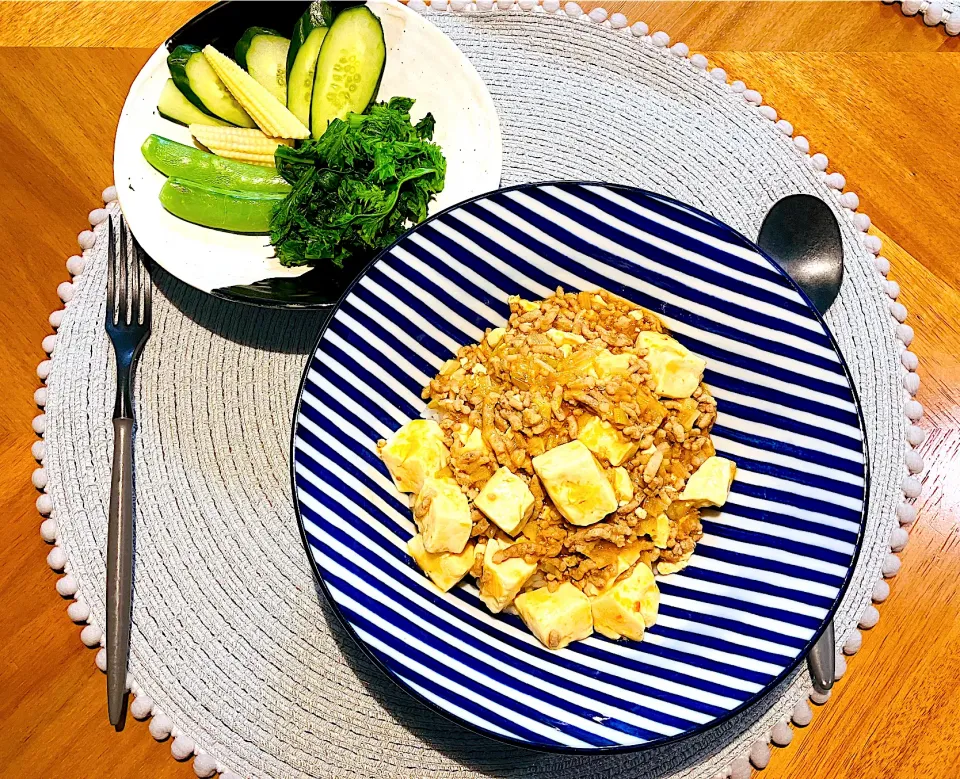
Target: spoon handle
<point>822,660</point>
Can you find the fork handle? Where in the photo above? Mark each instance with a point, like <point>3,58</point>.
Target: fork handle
<point>119,567</point>
<point>822,660</point>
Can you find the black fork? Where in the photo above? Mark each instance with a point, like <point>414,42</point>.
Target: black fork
<point>129,294</point>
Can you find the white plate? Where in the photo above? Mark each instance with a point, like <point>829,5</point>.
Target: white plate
<point>422,63</point>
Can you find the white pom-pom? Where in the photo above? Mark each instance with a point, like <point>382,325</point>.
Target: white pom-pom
<point>572,9</point>
<point>504,5</point>
<point>527,5</point>
<point>911,383</point>
<point>785,127</point>
<point>905,334</point>
<point>740,769</point>
<point>910,7</point>
<point>913,409</point>
<point>458,5</point>
<point>882,264</point>
<point>835,181</point>
<point>916,435</point>
<point>881,591</point>
<point>782,734</point>
<point>182,748</point>
<point>39,450</point>
<point>952,25</point>
<point>39,478</point>
<point>44,504</point>
<point>40,424</point>
<point>67,586</point>
<point>97,216</point>
<point>840,668</point>
<point>850,200</point>
<point>862,222</point>
<point>101,660</point>
<point>551,6</point>
<point>768,112</point>
<point>109,194</point>
<point>48,530</point>
<point>160,726</point>
<point>40,396</point>
<point>869,618</point>
<point>934,14</point>
<point>598,15</point>
<point>738,86</point>
<point>141,707</point>
<point>49,343</point>
<point>43,369</point>
<point>802,143</point>
<point>618,21</point>
<point>719,74</point>
<point>484,5</point>
<point>417,5</point>
<point>819,161</point>
<point>56,318</point>
<point>86,239</point>
<point>699,62</point>
<point>898,539</point>
<point>852,645</point>
<point>898,311</point>
<point>819,698</point>
<point>909,360</point>
<point>91,635</point>
<point>752,96</point>
<point>76,264</point>
<point>680,49</point>
<point>892,289</point>
<point>802,714</point>
<point>914,461</point>
<point>760,754</point>
<point>906,513</point>
<point>204,765</point>
<point>661,39</point>
<point>78,611</point>
<point>891,566</point>
<point>639,29</point>
<point>871,242</point>
<point>911,487</point>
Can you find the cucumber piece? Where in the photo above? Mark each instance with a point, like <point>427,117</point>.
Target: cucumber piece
<point>174,106</point>
<point>308,35</point>
<point>349,68</point>
<point>263,52</point>
<point>186,162</point>
<point>195,78</point>
<point>223,209</point>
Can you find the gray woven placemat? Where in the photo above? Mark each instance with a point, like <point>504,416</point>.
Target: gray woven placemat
<point>233,649</point>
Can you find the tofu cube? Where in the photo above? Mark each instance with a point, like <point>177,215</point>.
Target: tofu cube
<point>658,528</point>
<point>442,513</point>
<point>665,568</point>
<point>470,438</point>
<point>605,441</point>
<point>415,453</point>
<point>575,483</point>
<point>710,483</point>
<point>607,364</point>
<point>506,501</point>
<point>677,371</point>
<point>563,338</point>
<point>444,569</point>
<point>622,486</point>
<point>630,606</point>
<point>495,336</point>
<point>556,618</point>
<point>500,582</point>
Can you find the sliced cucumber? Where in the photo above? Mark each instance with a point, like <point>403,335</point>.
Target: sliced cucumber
<point>308,35</point>
<point>263,52</point>
<point>186,162</point>
<point>174,106</point>
<point>223,209</point>
<point>195,78</point>
<point>349,68</point>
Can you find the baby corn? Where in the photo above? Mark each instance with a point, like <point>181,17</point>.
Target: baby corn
<point>269,113</point>
<point>238,143</point>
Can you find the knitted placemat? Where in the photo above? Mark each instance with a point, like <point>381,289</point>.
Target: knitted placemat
<point>234,653</point>
<point>933,12</point>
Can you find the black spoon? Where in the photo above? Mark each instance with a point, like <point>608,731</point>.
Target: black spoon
<point>801,234</point>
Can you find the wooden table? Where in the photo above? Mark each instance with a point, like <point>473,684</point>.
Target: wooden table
<point>878,93</point>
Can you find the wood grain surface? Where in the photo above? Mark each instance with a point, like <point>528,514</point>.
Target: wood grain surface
<point>877,92</point>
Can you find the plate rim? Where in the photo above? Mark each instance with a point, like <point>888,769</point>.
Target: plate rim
<point>559,748</point>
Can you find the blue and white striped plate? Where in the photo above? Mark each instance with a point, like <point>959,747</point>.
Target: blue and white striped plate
<point>772,565</point>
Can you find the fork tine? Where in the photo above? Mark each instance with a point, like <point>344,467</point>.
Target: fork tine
<point>147,288</point>
<point>124,269</point>
<point>111,274</point>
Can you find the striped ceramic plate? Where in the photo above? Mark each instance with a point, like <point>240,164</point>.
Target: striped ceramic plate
<point>772,564</point>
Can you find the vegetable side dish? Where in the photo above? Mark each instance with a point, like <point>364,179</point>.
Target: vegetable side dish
<point>567,460</point>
